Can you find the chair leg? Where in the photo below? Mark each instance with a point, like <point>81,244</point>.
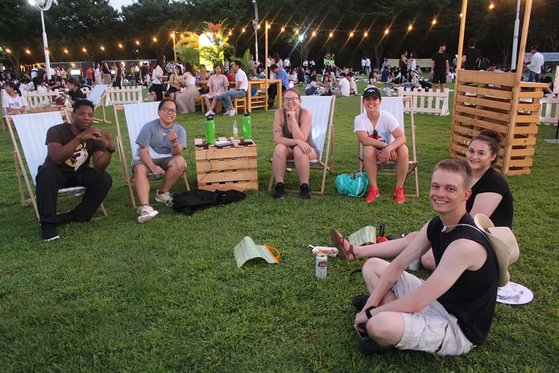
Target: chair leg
<point>186,181</point>
<point>271,181</point>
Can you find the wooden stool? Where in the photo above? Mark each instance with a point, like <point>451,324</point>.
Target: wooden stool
<point>240,103</point>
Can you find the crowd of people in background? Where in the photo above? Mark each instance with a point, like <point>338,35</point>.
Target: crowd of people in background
<point>177,80</point>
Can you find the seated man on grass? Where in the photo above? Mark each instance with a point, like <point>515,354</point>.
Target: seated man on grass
<point>450,312</point>
<point>70,149</point>
<point>383,140</point>
<point>161,143</point>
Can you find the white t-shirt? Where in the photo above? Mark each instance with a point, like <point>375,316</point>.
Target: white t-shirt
<point>157,74</point>
<point>386,124</point>
<point>8,101</point>
<point>344,87</point>
<point>241,77</point>
<point>537,62</point>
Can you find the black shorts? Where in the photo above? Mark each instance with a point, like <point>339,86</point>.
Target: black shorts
<point>439,77</point>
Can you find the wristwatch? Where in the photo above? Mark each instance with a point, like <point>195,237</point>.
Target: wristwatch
<point>368,311</point>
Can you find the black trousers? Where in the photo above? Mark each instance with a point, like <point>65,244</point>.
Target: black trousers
<point>273,92</point>
<point>51,178</point>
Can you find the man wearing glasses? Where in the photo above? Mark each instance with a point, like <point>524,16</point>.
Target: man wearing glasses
<point>383,141</point>
<point>161,143</point>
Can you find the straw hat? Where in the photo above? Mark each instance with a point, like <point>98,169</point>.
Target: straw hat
<point>504,244</point>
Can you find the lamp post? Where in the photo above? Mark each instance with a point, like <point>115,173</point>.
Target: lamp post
<point>43,6</point>
<point>515,36</point>
<point>255,25</point>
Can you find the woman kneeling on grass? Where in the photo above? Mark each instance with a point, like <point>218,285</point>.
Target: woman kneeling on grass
<point>293,138</point>
<point>490,196</point>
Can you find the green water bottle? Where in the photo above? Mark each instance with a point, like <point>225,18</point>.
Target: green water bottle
<point>210,130</point>
<point>247,128</point>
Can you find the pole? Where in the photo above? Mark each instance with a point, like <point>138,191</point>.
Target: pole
<point>515,36</point>
<point>174,46</point>
<point>255,25</point>
<point>45,46</point>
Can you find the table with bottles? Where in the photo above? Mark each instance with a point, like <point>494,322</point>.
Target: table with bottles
<point>230,163</point>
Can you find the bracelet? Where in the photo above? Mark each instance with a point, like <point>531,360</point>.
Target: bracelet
<point>110,150</point>
<point>174,144</point>
<point>368,311</point>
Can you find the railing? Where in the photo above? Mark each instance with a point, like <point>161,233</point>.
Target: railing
<point>431,102</point>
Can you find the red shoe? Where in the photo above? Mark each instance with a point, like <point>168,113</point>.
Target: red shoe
<point>399,196</point>
<point>372,195</point>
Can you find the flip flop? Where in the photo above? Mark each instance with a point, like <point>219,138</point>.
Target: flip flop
<point>339,240</point>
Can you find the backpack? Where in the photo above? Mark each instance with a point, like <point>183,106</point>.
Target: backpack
<point>190,202</point>
<point>353,185</point>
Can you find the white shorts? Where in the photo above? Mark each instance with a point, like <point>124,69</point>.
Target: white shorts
<point>432,330</point>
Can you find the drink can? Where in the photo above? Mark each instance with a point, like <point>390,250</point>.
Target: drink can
<point>321,266</point>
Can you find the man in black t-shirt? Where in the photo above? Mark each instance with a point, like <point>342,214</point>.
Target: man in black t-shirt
<point>70,150</point>
<point>440,66</point>
<point>471,56</point>
<point>450,312</point>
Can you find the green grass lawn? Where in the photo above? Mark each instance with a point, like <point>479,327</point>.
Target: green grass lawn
<point>114,295</point>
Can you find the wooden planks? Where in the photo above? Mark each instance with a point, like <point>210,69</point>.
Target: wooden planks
<point>495,101</point>
<point>230,167</point>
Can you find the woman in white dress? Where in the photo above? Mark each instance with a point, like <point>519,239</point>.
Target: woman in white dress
<point>186,100</point>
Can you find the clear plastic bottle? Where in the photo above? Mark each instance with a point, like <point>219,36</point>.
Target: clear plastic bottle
<point>235,130</point>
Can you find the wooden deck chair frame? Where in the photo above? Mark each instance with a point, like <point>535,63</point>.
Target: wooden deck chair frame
<point>96,96</point>
<point>136,116</point>
<point>391,104</point>
<point>31,132</point>
<point>322,110</point>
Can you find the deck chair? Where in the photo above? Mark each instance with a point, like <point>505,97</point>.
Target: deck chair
<point>32,131</point>
<point>395,106</point>
<point>96,96</point>
<point>322,110</point>
<point>136,116</point>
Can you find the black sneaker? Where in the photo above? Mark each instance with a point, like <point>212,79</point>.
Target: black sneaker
<point>359,301</point>
<point>49,232</point>
<point>279,192</point>
<point>305,191</point>
<point>369,347</point>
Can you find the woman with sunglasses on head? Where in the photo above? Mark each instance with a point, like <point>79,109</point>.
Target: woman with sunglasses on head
<point>490,196</point>
<point>293,139</point>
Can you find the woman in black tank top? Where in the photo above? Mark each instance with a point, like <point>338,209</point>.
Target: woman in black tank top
<point>293,138</point>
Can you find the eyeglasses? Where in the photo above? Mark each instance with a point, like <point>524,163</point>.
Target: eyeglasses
<point>291,99</point>
<point>168,110</point>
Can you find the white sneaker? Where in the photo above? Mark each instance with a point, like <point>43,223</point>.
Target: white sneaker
<point>209,112</point>
<point>231,112</point>
<point>146,213</point>
<point>165,198</point>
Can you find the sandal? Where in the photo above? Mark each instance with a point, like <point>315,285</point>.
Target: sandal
<point>339,240</point>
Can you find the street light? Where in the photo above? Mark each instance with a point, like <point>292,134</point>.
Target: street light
<point>255,25</point>
<point>43,6</point>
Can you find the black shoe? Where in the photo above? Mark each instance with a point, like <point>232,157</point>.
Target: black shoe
<point>65,218</point>
<point>359,301</point>
<point>279,192</point>
<point>49,232</point>
<point>369,347</point>
<point>305,191</point>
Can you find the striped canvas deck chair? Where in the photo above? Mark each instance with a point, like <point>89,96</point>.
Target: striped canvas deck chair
<point>31,130</point>
<point>322,111</point>
<point>96,96</point>
<point>395,106</point>
<point>136,116</point>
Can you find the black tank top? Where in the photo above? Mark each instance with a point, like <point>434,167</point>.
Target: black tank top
<point>472,298</point>
<point>289,135</point>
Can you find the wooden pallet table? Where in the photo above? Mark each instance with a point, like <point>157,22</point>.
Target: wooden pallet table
<point>229,167</point>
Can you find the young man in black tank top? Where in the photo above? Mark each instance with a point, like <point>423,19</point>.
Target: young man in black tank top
<point>452,310</point>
